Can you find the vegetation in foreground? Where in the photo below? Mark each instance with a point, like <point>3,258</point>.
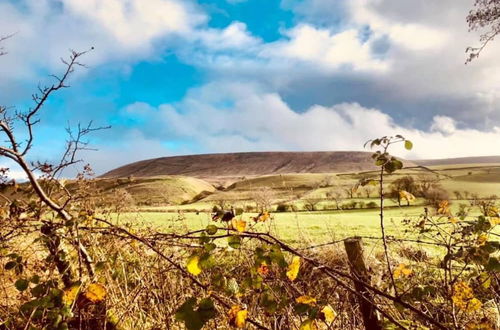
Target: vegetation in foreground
<point>68,262</point>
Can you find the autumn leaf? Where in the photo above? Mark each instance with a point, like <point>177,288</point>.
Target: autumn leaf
<point>402,270</point>
<point>406,196</point>
<point>463,297</point>
<point>308,325</point>
<point>293,268</point>
<point>263,269</point>
<point>493,211</point>
<point>237,316</point>
<point>70,294</point>
<point>95,293</point>
<point>453,220</point>
<point>239,225</point>
<point>328,314</point>
<point>481,239</point>
<point>495,221</point>
<point>306,300</point>
<point>263,217</point>
<point>193,265</point>
<point>443,208</point>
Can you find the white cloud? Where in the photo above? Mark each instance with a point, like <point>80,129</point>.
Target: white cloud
<point>443,124</point>
<point>331,50</point>
<point>413,36</point>
<point>234,36</point>
<point>245,118</point>
<point>126,30</point>
<point>135,23</point>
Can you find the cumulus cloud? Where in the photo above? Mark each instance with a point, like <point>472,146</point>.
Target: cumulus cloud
<point>246,118</point>
<point>331,50</point>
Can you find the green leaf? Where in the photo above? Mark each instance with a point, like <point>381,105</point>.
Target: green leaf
<point>21,284</point>
<point>408,145</point>
<point>211,229</point>
<point>493,265</point>
<point>206,310</point>
<point>232,286</point>
<point>10,265</point>
<point>195,319</point>
<point>35,279</point>
<point>234,241</point>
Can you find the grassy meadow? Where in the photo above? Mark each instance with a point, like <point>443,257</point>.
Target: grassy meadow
<point>325,223</point>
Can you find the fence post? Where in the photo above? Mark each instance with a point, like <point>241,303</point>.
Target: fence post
<point>354,250</point>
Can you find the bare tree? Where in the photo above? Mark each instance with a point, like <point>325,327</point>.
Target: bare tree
<point>368,190</point>
<point>335,195</point>
<point>263,198</point>
<point>17,145</point>
<point>484,16</point>
<point>311,203</point>
<point>350,191</point>
<point>458,194</point>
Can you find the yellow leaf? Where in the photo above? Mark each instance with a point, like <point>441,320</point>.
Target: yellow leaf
<point>329,314</point>
<point>95,293</point>
<point>444,208</point>
<point>463,298</point>
<point>493,211</point>
<point>306,300</point>
<point>263,217</point>
<point>453,220</point>
<point>237,316</point>
<point>401,270</point>
<point>308,325</point>
<point>239,225</point>
<point>481,239</point>
<point>495,221</point>
<point>193,265</point>
<point>293,268</point>
<point>70,294</point>
<point>406,195</point>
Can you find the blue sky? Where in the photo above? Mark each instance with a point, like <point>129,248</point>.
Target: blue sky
<point>180,77</point>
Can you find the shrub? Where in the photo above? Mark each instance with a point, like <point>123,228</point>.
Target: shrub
<point>249,208</point>
<point>282,208</point>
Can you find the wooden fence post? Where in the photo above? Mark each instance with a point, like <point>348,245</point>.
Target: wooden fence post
<point>354,249</point>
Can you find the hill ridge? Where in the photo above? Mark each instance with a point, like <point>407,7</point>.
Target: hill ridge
<point>249,164</point>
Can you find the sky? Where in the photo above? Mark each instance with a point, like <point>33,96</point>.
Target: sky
<point>201,76</point>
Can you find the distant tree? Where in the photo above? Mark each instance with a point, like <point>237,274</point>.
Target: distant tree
<point>311,203</point>
<point>426,183</point>
<point>368,190</point>
<point>485,16</point>
<point>458,194</point>
<point>336,195</point>
<point>406,183</point>
<point>263,199</point>
<point>436,195</point>
<point>350,191</point>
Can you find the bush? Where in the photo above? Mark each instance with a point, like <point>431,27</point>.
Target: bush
<point>249,208</point>
<point>282,208</point>
<point>434,196</point>
<point>371,205</point>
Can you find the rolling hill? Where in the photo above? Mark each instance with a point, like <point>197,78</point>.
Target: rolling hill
<point>458,161</point>
<point>249,164</point>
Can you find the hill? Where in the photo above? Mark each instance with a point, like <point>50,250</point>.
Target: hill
<point>458,161</point>
<point>249,164</point>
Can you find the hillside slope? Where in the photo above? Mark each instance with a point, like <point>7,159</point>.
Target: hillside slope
<point>249,164</point>
<point>458,161</point>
